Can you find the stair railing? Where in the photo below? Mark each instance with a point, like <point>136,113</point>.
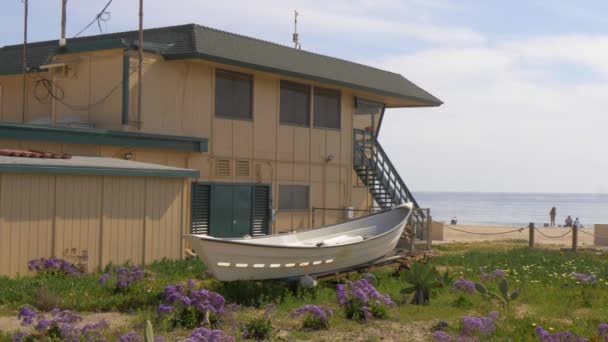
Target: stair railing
<point>370,154</point>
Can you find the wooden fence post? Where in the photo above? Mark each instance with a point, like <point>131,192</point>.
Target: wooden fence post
<point>428,229</point>
<point>531,237</point>
<point>574,238</point>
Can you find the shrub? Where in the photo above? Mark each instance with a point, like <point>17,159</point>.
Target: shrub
<point>464,285</point>
<point>362,300</point>
<point>56,266</point>
<point>315,317</point>
<point>494,275</point>
<point>423,279</point>
<point>254,293</point>
<point>505,297</point>
<point>473,328</point>
<point>560,336</point>
<point>208,335</point>
<point>123,278</point>
<point>61,325</point>
<point>186,307</point>
<point>260,328</point>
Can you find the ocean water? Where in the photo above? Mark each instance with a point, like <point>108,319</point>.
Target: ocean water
<point>514,209</point>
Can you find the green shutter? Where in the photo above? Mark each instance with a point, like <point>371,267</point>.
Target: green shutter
<point>201,200</point>
<point>261,210</point>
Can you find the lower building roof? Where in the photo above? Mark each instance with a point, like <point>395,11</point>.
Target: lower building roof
<point>97,166</point>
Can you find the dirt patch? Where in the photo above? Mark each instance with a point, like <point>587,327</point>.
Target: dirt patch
<point>114,319</point>
<point>381,331</point>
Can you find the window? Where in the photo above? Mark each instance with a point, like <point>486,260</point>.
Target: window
<point>233,94</point>
<point>295,103</point>
<point>327,108</point>
<point>293,197</point>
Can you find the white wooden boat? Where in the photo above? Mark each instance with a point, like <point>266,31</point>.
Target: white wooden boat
<point>332,248</point>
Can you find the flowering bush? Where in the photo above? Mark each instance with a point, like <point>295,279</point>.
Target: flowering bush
<point>260,328</point>
<point>495,275</point>
<point>464,285</point>
<point>61,325</point>
<point>132,336</point>
<point>560,336</point>
<point>123,277</point>
<point>602,331</point>
<point>472,329</point>
<point>56,266</point>
<point>184,306</point>
<point>362,300</point>
<point>315,317</point>
<point>208,335</point>
<point>584,278</point>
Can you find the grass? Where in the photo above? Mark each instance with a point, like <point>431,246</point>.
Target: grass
<point>549,297</point>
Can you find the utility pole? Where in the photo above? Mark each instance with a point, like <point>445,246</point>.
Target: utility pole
<point>24,97</point>
<point>296,43</point>
<point>140,63</point>
<point>62,41</point>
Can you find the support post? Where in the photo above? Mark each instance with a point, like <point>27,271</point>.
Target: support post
<point>413,233</point>
<point>140,64</point>
<point>574,238</point>
<point>428,229</point>
<point>24,61</point>
<point>531,238</point>
<point>63,20</point>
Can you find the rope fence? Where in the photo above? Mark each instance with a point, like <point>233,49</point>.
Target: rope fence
<point>552,237</point>
<point>594,235</point>
<point>476,233</point>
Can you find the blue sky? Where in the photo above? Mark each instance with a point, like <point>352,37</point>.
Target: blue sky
<point>524,82</point>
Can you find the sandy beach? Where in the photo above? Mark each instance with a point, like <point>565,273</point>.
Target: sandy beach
<point>451,235</point>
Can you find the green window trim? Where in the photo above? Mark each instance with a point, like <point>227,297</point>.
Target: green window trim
<point>101,137</point>
<point>96,171</point>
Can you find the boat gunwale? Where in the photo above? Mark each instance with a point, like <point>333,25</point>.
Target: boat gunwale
<point>241,242</point>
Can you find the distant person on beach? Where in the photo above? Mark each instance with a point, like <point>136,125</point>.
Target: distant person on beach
<point>568,222</point>
<point>552,214</point>
<point>577,223</point>
<point>454,220</point>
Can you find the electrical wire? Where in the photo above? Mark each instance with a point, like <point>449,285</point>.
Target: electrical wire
<point>102,16</point>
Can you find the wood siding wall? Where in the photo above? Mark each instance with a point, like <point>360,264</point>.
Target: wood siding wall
<point>179,100</point>
<point>110,219</point>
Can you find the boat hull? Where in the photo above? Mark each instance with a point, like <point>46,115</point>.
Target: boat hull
<point>240,259</point>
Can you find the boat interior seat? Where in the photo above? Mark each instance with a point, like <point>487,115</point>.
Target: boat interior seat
<point>341,240</point>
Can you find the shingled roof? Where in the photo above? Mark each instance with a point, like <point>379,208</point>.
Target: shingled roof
<point>195,41</point>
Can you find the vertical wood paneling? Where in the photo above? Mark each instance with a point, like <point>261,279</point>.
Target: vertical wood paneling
<point>198,101</point>
<point>243,139</point>
<point>163,223</point>
<point>26,209</point>
<point>77,93</point>
<point>106,82</point>
<point>222,138</point>
<point>301,144</point>
<point>265,117</point>
<point>285,143</point>
<point>78,215</point>
<point>123,219</point>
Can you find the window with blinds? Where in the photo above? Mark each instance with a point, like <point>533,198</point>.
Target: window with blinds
<point>295,103</point>
<point>326,108</point>
<point>293,197</point>
<point>233,95</point>
<point>200,208</point>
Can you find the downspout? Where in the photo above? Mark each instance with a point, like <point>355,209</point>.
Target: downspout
<point>125,88</point>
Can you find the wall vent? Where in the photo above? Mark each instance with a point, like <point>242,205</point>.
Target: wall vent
<point>243,168</point>
<point>223,168</point>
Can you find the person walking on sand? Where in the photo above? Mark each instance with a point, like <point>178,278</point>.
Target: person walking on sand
<point>552,214</point>
<point>568,221</point>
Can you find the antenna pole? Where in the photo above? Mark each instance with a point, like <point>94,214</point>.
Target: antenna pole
<point>296,44</point>
<point>24,60</point>
<point>140,62</point>
<point>63,19</point>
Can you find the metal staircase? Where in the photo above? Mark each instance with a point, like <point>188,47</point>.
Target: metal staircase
<point>377,172</point>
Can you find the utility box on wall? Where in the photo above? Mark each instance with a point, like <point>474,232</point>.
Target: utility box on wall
<point>601,234</point>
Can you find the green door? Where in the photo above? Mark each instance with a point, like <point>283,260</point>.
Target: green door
<point>230,210</point>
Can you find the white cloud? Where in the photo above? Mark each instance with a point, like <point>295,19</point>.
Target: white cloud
<point>505,125</point>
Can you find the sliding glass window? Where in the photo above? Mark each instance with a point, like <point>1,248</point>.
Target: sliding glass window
<point>233,95</point>
<point>326,108</point>
<point>295,103</point>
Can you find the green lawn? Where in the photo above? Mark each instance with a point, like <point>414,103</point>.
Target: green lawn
<point>549,297</point>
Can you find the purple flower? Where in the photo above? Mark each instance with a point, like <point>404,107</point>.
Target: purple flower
<point>464,285</point>
<point>164,310</point>
<point>321,314</point>
<point>56,266</point>
<point>130,337</point>
<point>191,284</point>
<point>442,336</point>
<point>104,278</point>
<point>94,331</point>
<point>583,278</point>
<point>43,325</point>
<point>27,316</point>
<point>562,336</point>
<point>602,331</point>
<point>341,294</point>
<point>207,335</point>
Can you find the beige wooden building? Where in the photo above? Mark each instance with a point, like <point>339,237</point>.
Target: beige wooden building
<point>282,139</point>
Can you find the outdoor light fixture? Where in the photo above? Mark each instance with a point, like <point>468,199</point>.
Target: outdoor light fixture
<point>330,157</point>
